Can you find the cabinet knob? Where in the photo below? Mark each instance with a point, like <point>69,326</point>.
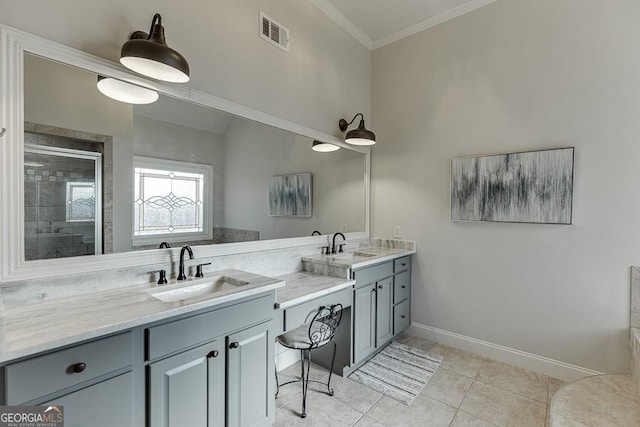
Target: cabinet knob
<point>404,264</point>
<point>380,287</point>
<point>212,354</point>
<point>404,286</point>
<point>403,316</point>
<point>234,345</point>
<point>79,367</point>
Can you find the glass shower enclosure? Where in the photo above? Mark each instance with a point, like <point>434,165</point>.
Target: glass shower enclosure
<point>62,202</point>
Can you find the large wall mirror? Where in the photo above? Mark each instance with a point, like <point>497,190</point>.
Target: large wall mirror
<point>99,177</point>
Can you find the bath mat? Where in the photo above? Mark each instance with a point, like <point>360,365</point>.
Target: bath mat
<point>399,371</point>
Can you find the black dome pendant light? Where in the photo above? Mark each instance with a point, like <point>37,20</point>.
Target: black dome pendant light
<point>359,136</point>
<point>149,55</point>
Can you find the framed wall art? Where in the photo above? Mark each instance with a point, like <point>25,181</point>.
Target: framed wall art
<point>290,195</point>
<point>533,187</point>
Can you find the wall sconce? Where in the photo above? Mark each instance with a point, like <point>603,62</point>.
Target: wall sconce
<point>126,92</point>
<point>324,147</point>
<point>149,55</point>
<point>359,136</point>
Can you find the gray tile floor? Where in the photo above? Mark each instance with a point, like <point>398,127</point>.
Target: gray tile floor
<point>467,390</point>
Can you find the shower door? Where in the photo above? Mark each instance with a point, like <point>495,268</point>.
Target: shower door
<point>62,202</point>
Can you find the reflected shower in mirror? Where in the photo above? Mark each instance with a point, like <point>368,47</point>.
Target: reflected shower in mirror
<point>102,176</point>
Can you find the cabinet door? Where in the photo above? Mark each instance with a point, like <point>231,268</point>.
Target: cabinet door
<point>250,377</point>
<point>90,406</point>
<point>384,311</point>
<point>364,334</point>
<point>188,389</point>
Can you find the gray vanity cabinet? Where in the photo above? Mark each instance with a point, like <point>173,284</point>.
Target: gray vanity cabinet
<point>384,311</point>
<point>401,294</point>
<point>382,303</point>
<point>250,364</point>
<point>89,380</point>
<point>188,389</point>
<point>91,406</point>
<point>214,368</point>
<point>364,333</point>
<point>373,305</point>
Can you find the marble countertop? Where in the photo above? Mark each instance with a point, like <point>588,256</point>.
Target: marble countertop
<point>31,329</point>
<point>304,286</point>
<point>362,257</point>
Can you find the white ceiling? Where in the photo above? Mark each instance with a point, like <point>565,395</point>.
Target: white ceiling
<point>376,23</point>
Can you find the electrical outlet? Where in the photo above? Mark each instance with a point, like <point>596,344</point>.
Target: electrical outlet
<point>397,233</point>
<point>344,227</point>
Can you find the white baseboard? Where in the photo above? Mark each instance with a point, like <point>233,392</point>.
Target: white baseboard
<point>533,362</point>
<point>286,358</point>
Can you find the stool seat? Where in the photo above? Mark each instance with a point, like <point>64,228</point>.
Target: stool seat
<point>298,338</point>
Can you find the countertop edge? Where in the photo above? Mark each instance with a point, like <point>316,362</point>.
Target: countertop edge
<point>314,295</point>
<point>364,263</point>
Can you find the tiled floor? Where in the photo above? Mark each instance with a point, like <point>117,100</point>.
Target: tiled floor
<point>467,390</point>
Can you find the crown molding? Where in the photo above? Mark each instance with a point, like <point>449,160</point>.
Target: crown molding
<point>431,22</point>
<point>344,22</point>
<point>366,41</point>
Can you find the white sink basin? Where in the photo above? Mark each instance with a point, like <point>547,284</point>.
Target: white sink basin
<point>365,254</point>
<point>350,256</point>
<point>211,286</point>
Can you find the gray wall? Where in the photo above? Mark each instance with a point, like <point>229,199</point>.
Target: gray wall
<point>326,75</point>
<point>517,75</point>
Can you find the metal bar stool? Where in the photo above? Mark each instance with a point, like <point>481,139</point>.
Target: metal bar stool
<point>318,333</point>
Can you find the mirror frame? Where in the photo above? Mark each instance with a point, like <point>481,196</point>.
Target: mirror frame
<point>13,267</point>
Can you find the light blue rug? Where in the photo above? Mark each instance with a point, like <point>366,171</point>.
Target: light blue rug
<point>399,371</point>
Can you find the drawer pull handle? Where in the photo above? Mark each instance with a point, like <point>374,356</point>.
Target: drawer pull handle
<point>79,367</point>
<point>404,286</point>
<point>212,354</point>
<point>234,345</point>
<point>404,264</point>
<point>403,316</point>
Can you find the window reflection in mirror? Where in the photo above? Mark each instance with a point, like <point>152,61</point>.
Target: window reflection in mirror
<point>65,111</point>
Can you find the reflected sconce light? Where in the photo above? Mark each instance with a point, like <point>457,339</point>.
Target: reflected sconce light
<point>126,92</point>
<point>324,147</point>
<point>149,55</point>
<point>359,136</point>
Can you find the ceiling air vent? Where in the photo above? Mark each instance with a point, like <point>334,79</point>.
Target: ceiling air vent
<point>273,32</point>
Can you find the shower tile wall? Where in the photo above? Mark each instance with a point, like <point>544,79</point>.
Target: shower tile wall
<point>48,234</point>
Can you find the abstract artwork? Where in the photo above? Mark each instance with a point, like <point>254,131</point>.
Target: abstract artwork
<point>534,186</point>
<point>290,195</point>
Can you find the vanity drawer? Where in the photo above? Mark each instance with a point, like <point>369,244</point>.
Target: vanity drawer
<point>401,286</point>
<point>401,264</point>
<point>42,375</point>
<point>372,274</point>
<point>302,313</point>
<point>401,317</point>
<point>191,331</point>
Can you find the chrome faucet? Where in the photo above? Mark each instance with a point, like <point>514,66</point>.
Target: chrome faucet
<point>333,246</point>
<point>181,275</point>
<point>164,245</point>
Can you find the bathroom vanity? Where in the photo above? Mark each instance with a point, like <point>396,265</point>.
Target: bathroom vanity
<point>204,361</point>
<point>374,290</point>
